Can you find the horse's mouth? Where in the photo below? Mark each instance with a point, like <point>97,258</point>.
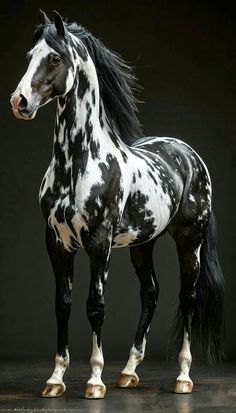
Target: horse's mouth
<point>24,115</point>
<point>18,115</point>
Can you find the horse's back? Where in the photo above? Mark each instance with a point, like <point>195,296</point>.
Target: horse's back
<point>180,159</point>
<point>192,201</point>
<point>176,153</point>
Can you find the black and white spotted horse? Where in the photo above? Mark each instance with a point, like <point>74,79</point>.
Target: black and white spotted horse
<point>109,187</point>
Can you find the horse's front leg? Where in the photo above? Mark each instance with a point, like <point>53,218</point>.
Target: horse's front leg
<point>98,249</point>
<point>62,263</point>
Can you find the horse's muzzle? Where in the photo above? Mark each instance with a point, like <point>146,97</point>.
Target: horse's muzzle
<point>21,108</point>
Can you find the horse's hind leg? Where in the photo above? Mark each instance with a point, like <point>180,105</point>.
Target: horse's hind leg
<point>188,247</point>
<point>141,257</point>
<point>62,263</point>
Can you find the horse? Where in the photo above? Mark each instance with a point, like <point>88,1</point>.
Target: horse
<point>107,186</point>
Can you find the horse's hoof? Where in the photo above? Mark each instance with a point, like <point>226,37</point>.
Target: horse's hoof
<point>182,386</point>
<point>95,391</point>
<point>53,390</point>
<point>128,381</point>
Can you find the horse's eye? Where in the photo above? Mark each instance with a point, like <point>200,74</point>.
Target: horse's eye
<point>54,59</point>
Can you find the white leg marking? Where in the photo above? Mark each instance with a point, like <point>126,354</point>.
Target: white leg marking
<point>97,363</point>
<point>185,359</point>
<point>135,358</point>
<point>128,378</point>
<point>183,383</point>
<point>95,387</point>
<point>61,365</point>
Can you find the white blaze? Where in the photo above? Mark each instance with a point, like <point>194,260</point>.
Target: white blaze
<point>40,51</point>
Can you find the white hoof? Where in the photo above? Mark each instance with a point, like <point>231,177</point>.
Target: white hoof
<point>95,391</point>
<point>183,386</point>
<point>53,390</point>
<point>128,381</point>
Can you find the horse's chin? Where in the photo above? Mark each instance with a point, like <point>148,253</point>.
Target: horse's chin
<point>18,115</point>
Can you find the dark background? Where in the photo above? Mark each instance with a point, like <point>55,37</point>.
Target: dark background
<point>185,58</point>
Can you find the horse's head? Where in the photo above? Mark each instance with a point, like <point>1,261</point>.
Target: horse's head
<point>50,72</point>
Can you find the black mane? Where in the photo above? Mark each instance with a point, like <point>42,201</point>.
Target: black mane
<point>117,82</point>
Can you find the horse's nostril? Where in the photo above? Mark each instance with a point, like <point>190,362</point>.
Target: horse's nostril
<point>23,103</point>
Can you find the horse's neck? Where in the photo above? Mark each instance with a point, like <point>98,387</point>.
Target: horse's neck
<point>76,118</point>
<point>82,126</point>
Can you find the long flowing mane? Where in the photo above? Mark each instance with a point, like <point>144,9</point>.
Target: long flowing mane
<point>117,81</point>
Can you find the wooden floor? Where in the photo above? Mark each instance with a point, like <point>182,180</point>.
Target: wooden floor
<point>214,389</point>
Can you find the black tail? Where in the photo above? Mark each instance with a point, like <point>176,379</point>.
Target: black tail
<point>208,319</point>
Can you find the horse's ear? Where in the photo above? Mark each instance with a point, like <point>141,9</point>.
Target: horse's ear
<point>59,24</point>
<point>46,18</point>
